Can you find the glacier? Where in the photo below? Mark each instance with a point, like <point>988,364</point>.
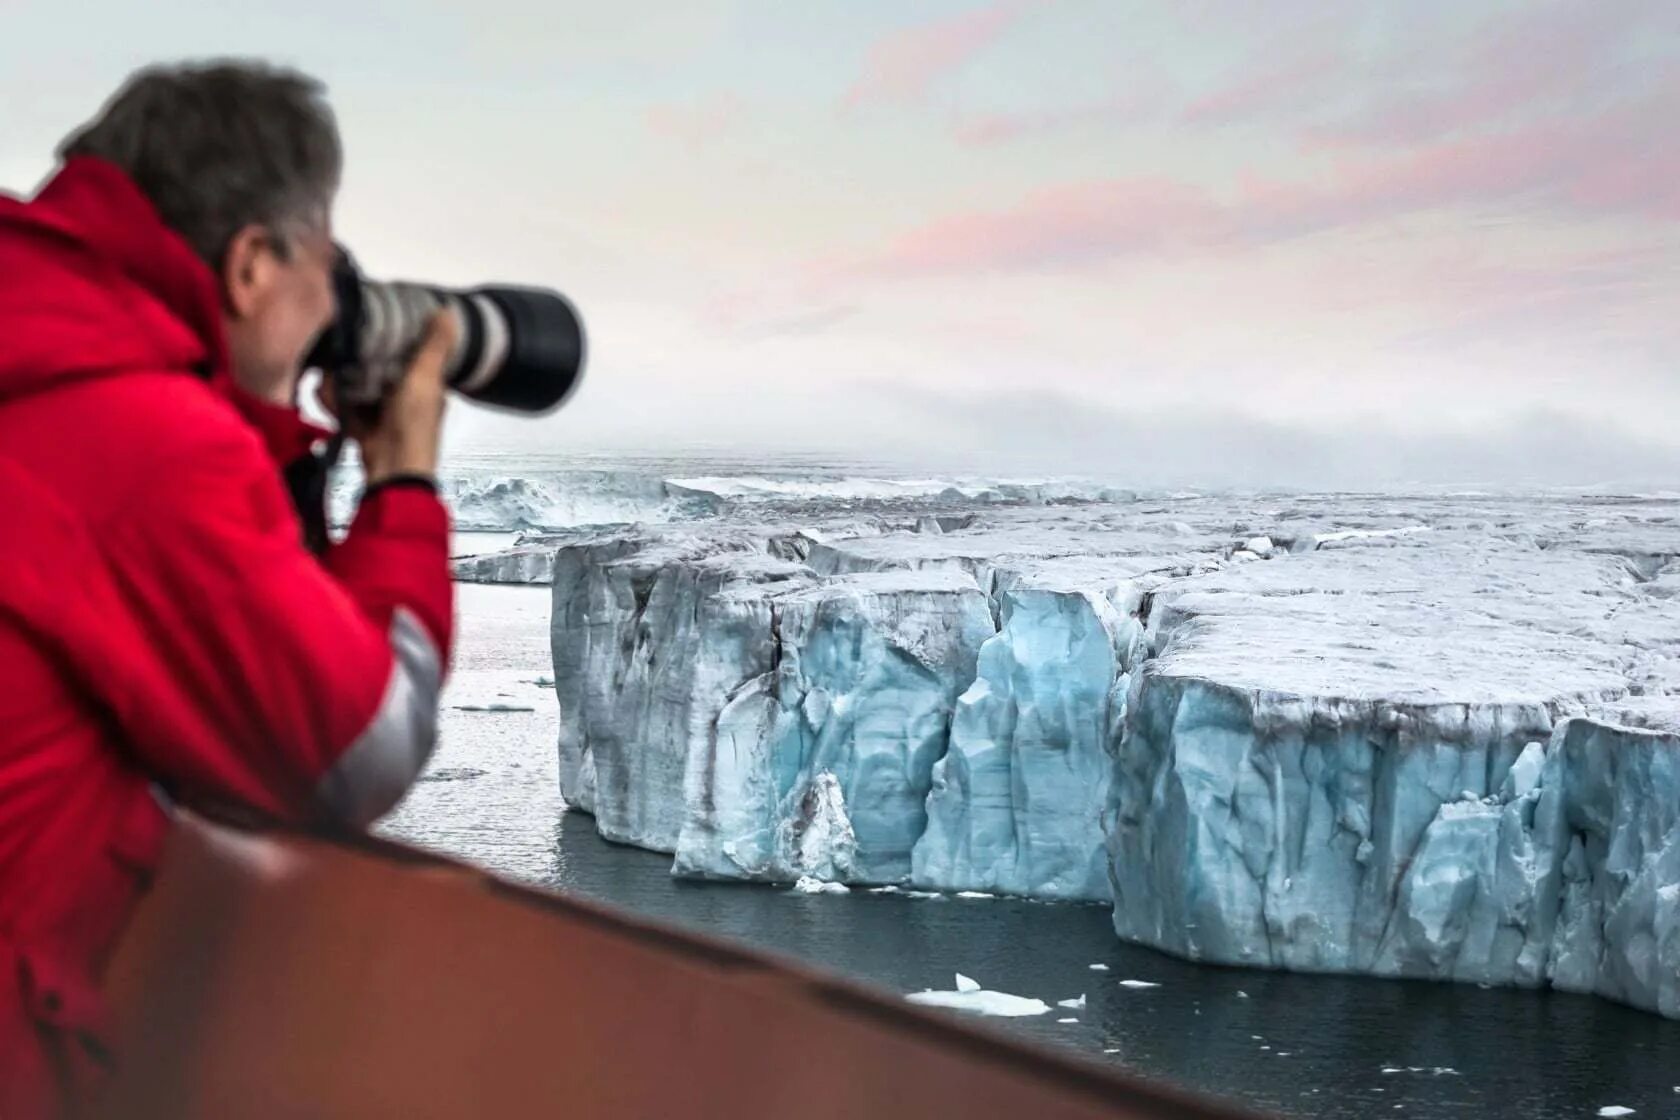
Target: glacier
<point>1416,736</point>
<point>1391,760</point>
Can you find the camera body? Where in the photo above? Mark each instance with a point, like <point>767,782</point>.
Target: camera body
<point>520,349</point>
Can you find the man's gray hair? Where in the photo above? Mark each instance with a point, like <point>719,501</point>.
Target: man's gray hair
<point>219,145</point>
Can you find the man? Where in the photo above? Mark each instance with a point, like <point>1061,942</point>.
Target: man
<point>164,633</point>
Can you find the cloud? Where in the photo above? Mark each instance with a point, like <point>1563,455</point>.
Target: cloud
<point>1146,93</point>
<point>904,65</point>
<point>699,124</point>
<point>1271,87</point>
<point>1560,58</point>
<point>1051,430</point>
<point>804,323</point>
<point>1618,163</point>
<point>1071,224</point>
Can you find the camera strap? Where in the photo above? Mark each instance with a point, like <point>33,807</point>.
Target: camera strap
<point>307,477</point>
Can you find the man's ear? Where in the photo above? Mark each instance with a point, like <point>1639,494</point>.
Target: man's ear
<point>248,269</point>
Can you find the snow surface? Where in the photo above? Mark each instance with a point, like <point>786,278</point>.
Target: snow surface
<point>1431,736</point>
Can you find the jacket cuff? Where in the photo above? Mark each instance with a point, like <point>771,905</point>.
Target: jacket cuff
<point>422,481</point>
<point>402,506</point>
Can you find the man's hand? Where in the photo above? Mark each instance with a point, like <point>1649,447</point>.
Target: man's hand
<point>404,439</point>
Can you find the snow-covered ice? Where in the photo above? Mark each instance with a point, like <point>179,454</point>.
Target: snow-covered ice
<point>1429,736</point>
<point>971,997</point>
<point>807,885</point>
<point>1410,760</point>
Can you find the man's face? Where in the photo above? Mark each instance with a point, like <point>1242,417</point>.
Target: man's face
<point>276,303</point>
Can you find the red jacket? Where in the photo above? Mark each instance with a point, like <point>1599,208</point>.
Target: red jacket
<point>164,633</point>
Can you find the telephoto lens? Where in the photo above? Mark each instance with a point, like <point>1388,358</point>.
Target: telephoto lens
<point>520,349</point>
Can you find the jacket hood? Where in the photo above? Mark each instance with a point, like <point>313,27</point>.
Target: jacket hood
<point>93,284</point>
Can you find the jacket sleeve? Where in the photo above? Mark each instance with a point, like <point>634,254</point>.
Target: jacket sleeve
<point>305,688</point>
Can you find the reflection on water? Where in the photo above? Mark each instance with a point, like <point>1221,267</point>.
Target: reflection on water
<point>1303,1045</point>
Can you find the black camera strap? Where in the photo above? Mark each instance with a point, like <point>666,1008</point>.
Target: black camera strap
<point>307,478</point>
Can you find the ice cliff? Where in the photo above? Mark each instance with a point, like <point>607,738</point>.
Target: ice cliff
<point>1420,760</point>
<point>1427,738</point>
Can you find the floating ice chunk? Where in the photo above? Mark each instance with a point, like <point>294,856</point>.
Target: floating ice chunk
<point>1242,994</point>
<point>1116,1051</point>
<point>888,889</point>
<point>975,894</point>
<point>1615,1110</point>
<point>1075,1004</point>
<point>1260,546</point>
<point>1067,1020</point>
<point>981,1003</point>
<point>809,885</point>
<point>1139,984</point>
<point>1104,968</point>
<point>964,984</point>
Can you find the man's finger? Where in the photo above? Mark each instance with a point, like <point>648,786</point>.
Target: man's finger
<point>434,349</point>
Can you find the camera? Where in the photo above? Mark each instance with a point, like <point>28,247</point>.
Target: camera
<point>518,348</point>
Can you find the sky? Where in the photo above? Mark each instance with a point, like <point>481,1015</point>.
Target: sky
<point>1201,241</point>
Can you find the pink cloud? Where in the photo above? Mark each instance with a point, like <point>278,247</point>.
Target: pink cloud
<point>1615,164</point>
<point>1070,224</point>
<point>903,66</point>
<point>1270,87</point>
<point>1146,94</point>
<point>699,124</point>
